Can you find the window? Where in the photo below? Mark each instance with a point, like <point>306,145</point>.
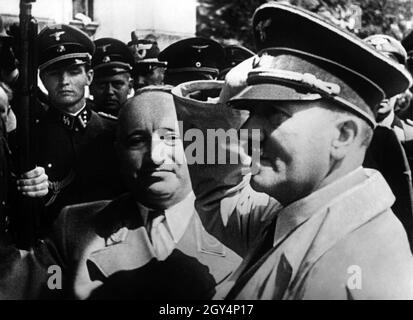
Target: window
<point>83,6</point>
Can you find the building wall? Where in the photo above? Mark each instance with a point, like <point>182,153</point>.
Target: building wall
<point>59,11</point>
<point>169,20</point>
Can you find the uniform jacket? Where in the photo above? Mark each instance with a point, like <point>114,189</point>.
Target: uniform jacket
<point>341,242</point>
<point>104,252</point>
<point>78,155</point>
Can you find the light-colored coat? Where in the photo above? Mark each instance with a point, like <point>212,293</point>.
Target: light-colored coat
<point>94,243</point>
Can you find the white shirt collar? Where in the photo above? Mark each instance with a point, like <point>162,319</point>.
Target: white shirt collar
<point>74,114</point>
<point>177,217</point>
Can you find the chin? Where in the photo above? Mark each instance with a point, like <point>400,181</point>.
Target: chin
<point>265,181</point>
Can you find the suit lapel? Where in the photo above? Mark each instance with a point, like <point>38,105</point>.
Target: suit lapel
<point>127,245</point>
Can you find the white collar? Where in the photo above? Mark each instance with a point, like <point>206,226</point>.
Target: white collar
<point>177,217</point>
<point>74,114</point>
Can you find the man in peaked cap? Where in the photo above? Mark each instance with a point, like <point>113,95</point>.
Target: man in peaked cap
<point>192,59</point>
<point>112,83</point>
<point>75,155</point>
<point>234,55</point>
<point>148,69</point>
<point>315,106</point>
<point>390,149</point>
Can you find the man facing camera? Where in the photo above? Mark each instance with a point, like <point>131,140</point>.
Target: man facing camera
<point>147,244</point>
<point>112,82</point>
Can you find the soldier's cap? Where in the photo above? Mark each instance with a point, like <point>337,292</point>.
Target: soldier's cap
<point>146,52</point>
<point>304,57</point>
<point>194,55</point>
<point>60,42</point>
<point>389,46</point>
<point>234,55</point>
<point>111,57</point>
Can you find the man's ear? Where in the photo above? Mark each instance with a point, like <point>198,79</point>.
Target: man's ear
<point>89,75</point>
<point>131,83</point>
<point>346,131</point>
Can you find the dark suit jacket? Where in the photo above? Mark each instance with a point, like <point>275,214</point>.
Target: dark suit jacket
<point>104,252</point>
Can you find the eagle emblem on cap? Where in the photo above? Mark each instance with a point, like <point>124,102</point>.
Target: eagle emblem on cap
<point>57,35</point>
<point>106,59</point>
<point>261,28</point>
<point>61,49</point>
<point>199,48</point>
<point>104,47</point>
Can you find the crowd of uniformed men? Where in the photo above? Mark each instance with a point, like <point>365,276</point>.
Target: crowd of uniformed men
<point>325,211</point>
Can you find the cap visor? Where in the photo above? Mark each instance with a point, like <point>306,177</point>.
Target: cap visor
<point>269,92</point>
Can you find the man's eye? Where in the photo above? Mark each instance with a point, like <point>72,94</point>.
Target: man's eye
<point>170,139</point>
<point>136,142</point>
<point>118,85</point>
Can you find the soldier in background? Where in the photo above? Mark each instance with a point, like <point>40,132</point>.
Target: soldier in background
<point>390,150</point>
<point>192,59</point>
<point>148,69</point>
<point>234,55</point>
<point>112,82</point>
<point>75,154</point>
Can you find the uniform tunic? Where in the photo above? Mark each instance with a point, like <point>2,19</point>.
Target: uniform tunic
<point>78,155</point>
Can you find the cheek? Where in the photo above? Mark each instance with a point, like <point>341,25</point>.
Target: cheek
<point>130,162</point>
<point>177,154</point>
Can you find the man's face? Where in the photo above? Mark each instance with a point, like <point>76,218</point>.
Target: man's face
<point>4,106</point>
<point>294,149</point>
<point>386,106</point>
<point>66,85</point>
<point>109,93</point>
<point>156,77</point>
<point>150,151</point>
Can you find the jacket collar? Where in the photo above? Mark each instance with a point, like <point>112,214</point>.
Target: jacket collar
<point>297,213</point>
<point>345,213</point>
<point>177,217</point>
<point>333,213</point>
<point>77,122</point>
<point>127,245</point>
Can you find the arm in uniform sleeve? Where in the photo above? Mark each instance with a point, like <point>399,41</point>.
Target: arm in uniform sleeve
<point>228,207</point>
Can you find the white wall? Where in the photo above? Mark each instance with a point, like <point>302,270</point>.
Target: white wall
<point>169,19</point>
<point>58,10</point>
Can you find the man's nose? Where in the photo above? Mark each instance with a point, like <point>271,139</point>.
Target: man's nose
<point>64,78</point>
<point>157,151</point>
<point>109,89</point>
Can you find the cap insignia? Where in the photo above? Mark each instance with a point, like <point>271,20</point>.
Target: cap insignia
<point>104,47</point>
<point>198,64</point>
<point>106,59</point>
<point>61,49</point>
<point>57,35</point>
<point>261,28</point>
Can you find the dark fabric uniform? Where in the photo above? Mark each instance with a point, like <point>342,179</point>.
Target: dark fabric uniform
<point>386,154</point>
<point>79,158</point>
<point>4,179</point>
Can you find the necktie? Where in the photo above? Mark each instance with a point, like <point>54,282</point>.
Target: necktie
<point>162,241</point>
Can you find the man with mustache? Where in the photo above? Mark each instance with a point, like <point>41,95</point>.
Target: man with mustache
<point>112,82</point>
<point>314,104</point>
<point>146,244</point>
